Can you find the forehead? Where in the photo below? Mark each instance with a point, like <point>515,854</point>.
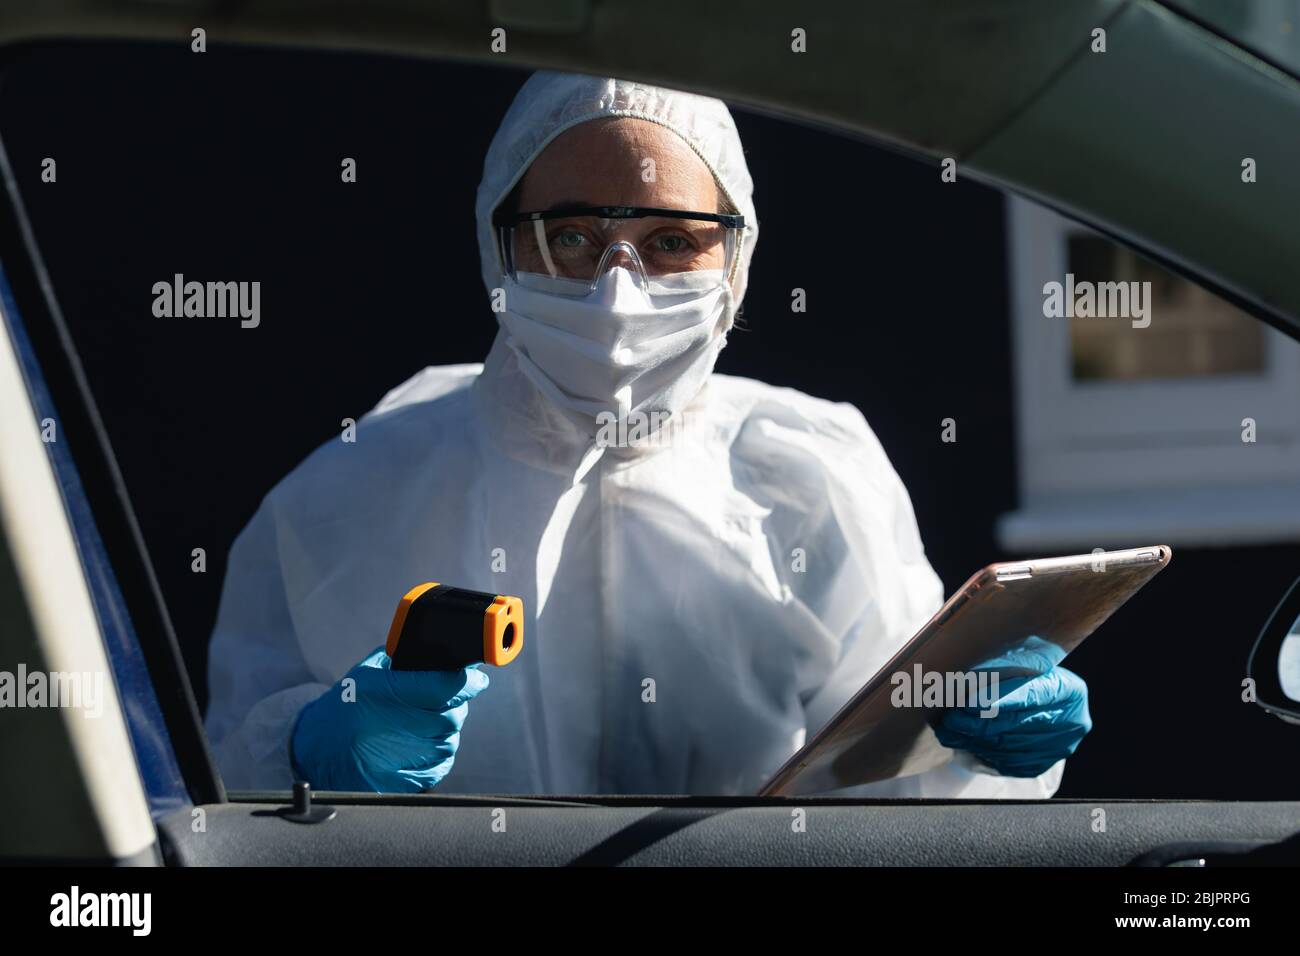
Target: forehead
<point>617,161</point>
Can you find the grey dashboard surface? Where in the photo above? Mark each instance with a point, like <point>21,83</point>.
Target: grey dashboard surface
<point>1054,833</point>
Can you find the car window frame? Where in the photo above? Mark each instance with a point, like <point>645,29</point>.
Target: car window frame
<point>108,502</point>
<point>95,492</point>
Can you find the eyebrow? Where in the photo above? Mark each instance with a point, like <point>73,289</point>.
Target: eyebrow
<point>564,203</point>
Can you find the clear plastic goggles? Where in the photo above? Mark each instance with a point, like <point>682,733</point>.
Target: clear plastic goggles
<point>581,243</point>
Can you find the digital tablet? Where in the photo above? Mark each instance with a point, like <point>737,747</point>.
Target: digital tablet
<point>885,730</point>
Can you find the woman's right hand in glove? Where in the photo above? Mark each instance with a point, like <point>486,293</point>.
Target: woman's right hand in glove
<point>384,731</point>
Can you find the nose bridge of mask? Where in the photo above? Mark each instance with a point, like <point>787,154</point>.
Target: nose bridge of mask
<point>615,254</point>
<point>626,315</point>
<point>621,292</point>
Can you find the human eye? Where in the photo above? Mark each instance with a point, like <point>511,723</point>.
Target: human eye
<point>570,240</point>
<point>673,244</point>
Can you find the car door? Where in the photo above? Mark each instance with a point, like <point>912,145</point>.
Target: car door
<point>73,486</point>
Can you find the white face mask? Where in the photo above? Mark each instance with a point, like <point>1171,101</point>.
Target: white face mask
<point>618,350</point>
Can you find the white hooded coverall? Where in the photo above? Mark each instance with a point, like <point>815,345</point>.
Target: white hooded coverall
<point>696,607</point>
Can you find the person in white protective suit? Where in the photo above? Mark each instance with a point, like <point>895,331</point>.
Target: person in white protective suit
<point>704,588</point>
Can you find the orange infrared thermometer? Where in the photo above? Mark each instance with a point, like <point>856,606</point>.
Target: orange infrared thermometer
<point>441,628</point>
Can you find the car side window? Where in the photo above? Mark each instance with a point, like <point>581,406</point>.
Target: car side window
<point>1018,425</point>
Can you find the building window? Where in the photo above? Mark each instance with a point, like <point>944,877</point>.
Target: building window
<point>1179,427</point>
<point>1198,334</point>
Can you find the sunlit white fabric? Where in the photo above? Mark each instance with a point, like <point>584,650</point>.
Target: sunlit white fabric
<point>697,604</point>
<point>621,351</point>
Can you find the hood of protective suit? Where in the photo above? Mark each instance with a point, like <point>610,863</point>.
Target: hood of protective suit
<point>550,103</point>
<point>522,406</point>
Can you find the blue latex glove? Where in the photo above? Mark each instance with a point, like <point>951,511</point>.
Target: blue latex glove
<point>1042,713</point>
<point>398,735</point>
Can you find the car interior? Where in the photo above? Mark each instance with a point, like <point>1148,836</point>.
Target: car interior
<point>116,530</point>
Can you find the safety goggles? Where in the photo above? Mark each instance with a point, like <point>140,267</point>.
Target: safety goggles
<point>580,243</point>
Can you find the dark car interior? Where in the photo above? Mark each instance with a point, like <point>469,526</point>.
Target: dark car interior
<point>174,431</point>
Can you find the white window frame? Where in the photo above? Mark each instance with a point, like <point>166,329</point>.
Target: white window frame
<point>1136,459</point>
